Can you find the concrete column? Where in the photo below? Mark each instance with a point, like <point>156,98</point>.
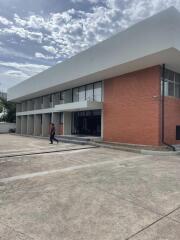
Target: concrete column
<point>37,125</point>
<point>46,120</point>
<point>18,125</point>
<point>67,123</point>
<point>56,122</point>
<point>30,124</point>
<point>24,125</point>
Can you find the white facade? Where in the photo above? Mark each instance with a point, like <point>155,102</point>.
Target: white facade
<point>33,116</point>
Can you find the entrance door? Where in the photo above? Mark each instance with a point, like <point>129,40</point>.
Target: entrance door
<point>87,123</point>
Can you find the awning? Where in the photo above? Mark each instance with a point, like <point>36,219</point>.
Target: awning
<point>78,106</point>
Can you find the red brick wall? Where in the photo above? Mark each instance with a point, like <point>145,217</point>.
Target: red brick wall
<point>172,118</point>
<point>131,110</point>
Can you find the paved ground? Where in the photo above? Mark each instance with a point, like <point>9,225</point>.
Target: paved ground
<point>86,194</point>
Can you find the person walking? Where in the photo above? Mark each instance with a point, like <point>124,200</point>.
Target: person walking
<point>52,134</point>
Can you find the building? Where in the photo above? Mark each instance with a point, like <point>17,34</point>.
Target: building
<point>3,95</point>
<point>125,89</point>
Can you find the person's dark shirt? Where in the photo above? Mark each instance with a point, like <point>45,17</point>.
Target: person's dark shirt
<point>52,130</point>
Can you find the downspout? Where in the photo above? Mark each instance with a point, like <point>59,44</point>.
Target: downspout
<point>163,110</point>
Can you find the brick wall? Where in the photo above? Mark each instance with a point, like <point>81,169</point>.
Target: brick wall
<point>172,118</point>
<point>132,107</point>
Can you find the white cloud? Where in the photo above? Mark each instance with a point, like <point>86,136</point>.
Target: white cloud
<point>23,33</point>
<point>66,33</point>
<point>9,52</point>
<point>5,21</point>
<point>81,1</point>
<point>12,73</point>
<point>41,55</point>
<point>50,49</point>
<point>26,68</point>
<point>16,74</point>
<point>75,30</point>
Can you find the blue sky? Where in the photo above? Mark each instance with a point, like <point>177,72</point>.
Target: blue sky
<point>37,34</point>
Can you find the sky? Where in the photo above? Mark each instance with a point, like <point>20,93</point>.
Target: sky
<point>37,34</point>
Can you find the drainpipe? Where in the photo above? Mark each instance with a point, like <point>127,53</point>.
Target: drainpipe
<point>163,110</point>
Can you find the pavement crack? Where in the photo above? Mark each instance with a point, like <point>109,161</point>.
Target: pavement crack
<point>153,223</point>
<point>136,204</point>
<point>44,152</point>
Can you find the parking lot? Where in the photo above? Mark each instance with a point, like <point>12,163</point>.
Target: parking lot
<point>80,192</point>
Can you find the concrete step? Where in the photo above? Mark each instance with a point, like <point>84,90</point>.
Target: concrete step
<point>117,147</point>
<point>177,147</point>
<point>75,138</point>
<point>73,141</point>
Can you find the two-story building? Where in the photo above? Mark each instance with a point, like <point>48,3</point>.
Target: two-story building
<point>125,89</point>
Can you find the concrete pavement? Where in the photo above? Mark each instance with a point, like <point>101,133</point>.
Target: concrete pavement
<point>88,194</point>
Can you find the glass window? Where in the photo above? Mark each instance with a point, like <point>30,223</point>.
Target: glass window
<point>62,96</point>
<point>169,75</point>
<point>165,88</point>
<point>68,96</point>
<point>97,91</point>
<point>75,95</point>
<point>50,98</point>
<point>177,78</point>
<point>172,82</point>
<point>177,90</point>
<point>89,92</point>
<point>170,88</point>
<point>41,101</point>
<point>82,93</point>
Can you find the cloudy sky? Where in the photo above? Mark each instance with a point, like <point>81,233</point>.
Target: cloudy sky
<point>37,34</point>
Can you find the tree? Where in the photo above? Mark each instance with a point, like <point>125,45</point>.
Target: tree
<point>8,109</point>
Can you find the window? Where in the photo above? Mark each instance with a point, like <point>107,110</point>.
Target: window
<point>177,85</point>
<point>172,84</point>
<point>170,88</point>
<point>169,75</point>
<point>41,100</point>
<point>82,93</point>
<point>97,91</point>
<point>68,96</point>
<point>89,92</point>
<point>62,96</point>
<point>75,95</point>
<point>169,79</point>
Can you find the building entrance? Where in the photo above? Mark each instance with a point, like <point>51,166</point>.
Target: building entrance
<point>86,123</point>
